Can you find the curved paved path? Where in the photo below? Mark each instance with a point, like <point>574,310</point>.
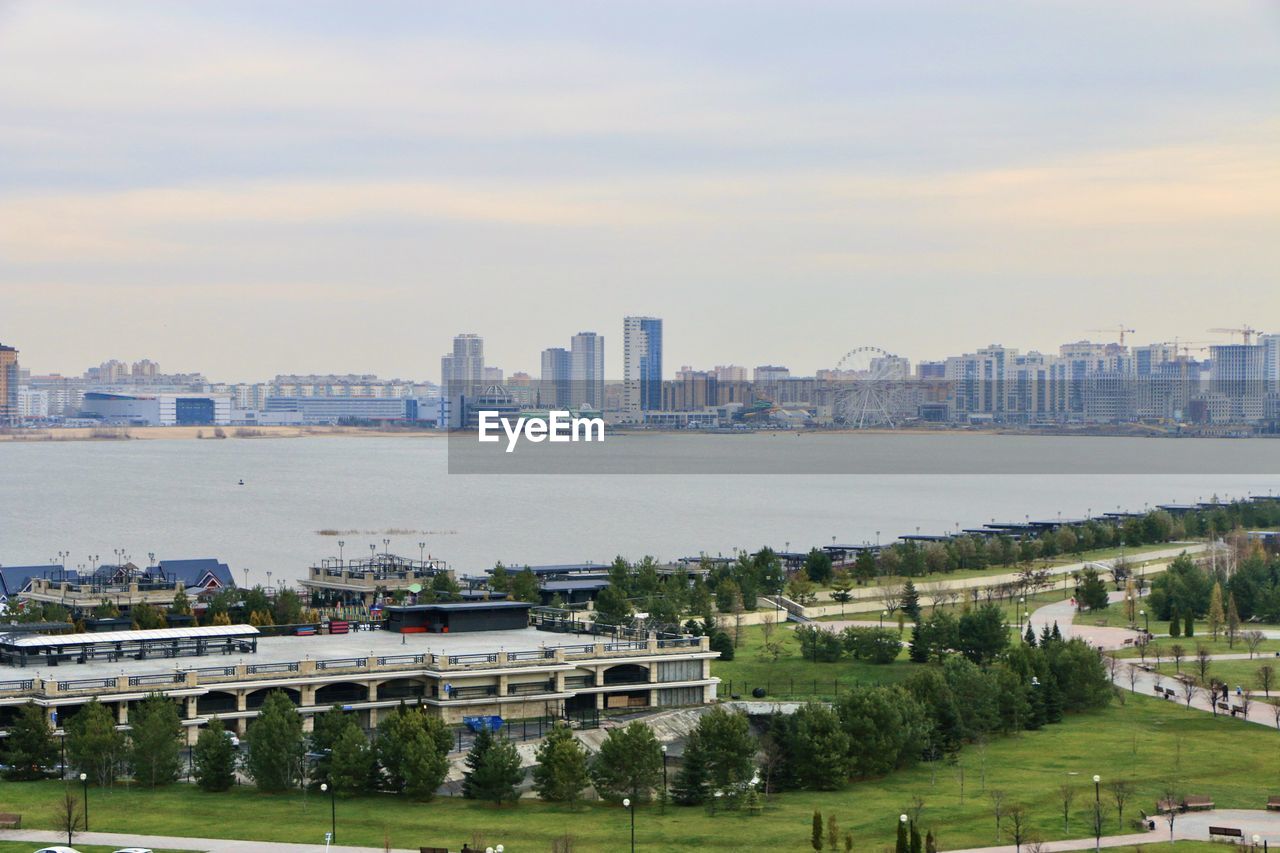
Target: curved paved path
<point>1193,826</point>
<point>169,842</point>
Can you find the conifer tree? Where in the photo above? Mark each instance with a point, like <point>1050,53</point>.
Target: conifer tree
<point>815,836</point>
<point>214,758</point>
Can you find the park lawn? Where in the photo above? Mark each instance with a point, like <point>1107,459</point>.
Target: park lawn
<point>1220,646</point>
<point>1230,672</point>
<point>1145,740</point>
<point>791,675</point>
<point>27,847</point>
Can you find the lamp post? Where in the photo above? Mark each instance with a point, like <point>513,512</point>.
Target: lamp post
<point>664,768</point>
<point>341,545</point>
<point>1022,609</point>
<point>84,783</point>
<point>883,613</point>
<point>333,810</point>
<point>626,804</point>
<point>1097,813</point>
<point>1146,619</point>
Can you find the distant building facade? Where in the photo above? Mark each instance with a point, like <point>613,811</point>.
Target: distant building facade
<point>641,367</point>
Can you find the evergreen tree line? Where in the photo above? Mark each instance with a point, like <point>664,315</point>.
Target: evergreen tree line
<point>1252,587</point>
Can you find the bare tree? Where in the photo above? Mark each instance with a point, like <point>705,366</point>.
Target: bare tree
<point>1203,659</point>
<point>1121,790</point>
<point>1133,678</point>
<point>1189,690</point>
<point>1066,795</point>
<point>1253,639</point>
<point>69,815</point>
<point>891,597</point>
<point>1275,709</point>
<point>997,807</point>
<point>1017,831</point>
<point>1113,665</point>
<point>1156,652</point>
<point>1170,802</point>
<point>1266,677</point>
<point>1246,701</point>
<point>917,809</point>
<point>563,844</point>
<point>1178,653</point>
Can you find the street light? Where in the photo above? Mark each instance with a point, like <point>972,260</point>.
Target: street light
<point>664,767</point>
<point>626,804</point>
<point>883,613</point>
<point>333,811</point>
<point>84,781</point>
<point>1146,619</point>
<point>1097,813</point>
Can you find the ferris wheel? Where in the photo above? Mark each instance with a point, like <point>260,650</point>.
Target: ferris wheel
<point>869,381</point>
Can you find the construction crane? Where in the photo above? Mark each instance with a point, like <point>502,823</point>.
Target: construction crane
<point>1118,328</point>
<point>1183,349</point>
<point>1246,332</point>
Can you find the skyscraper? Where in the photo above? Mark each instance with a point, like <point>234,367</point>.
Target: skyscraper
<point>586,371</point>
<point>8,384</point>
<point>465,365</point>
<point>641,367</point>
<point>553,390</point>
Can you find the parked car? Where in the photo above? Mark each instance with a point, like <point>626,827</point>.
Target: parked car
<point>134,850</point>
<point>57,849</point>
<point>233,737</point>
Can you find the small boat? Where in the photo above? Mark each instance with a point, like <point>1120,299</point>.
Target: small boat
<point>242,482</point>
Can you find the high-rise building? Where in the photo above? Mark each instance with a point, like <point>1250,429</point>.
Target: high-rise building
<point>586,371</point>
<point>641,367</point>
<point>1237,374</point>
<point>8,384</point>
<point>145,369</point>
<point>767,373</point>
<point>553,390</point>
<point>730,373</point>
<point>465,365</point>
<point>1270,360</point>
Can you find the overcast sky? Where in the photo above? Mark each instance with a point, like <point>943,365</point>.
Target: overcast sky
<point>262,187</point>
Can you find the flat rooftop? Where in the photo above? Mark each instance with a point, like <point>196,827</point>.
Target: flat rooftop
<point>320,647</point>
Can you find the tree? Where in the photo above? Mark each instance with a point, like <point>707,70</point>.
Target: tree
<point>1203,659</point>
<point>155,740</point>
<point>1017,830</point>
<point>815,836</point>
<point>1178,652</point>
<point>1233,621</point>
<point>903,845</point>
<point>612,606</point>
<point>214,758</point>
<point>29,748</point>
<point>1216,615</point>
<point>728,747</point>
<point>817,748</point>
<point>629,764</point>
<point>1121,789</point>
<point>181,604</point>
<point>1175,622</point>
<point>911,601</point>
<point>801,589</point>
<point>1066,795</point>
<point>561,773</point>
<point>1188,625</point>
<point>722,643</point>
<point>841,587</point>
<point>833,833</point>
<point>352,763</point>
<point>1093,592</point>
<point>413,750</point>
<point>499,580</point>
<point>982,634</point>
<point>93,744</point>
<point>997,807</point>
<point>690,785</point>
<point>1266,678</point>
<point>326,728</point>
<point>817,564</point>
<point>70,815</point>
<point>525,587</point>
<point>493,769</point>
<point>1253,639</point>
<point>275,744</point>
<point>886,728</point>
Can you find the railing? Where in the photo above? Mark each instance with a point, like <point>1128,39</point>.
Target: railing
<point>160,678</point>
<point>629,646</point>
<point>86,684</point>
<point>584,649</point>
<point>265,668</point>
<point>342,663</point>
<point>537,654</point>
<point>17,686</point>
<point>402,660</point>
<point>526,689</point>
<point>467,660</point>
<point>473,692</point>
<point>214,671</point>
<point>579,681</point>
<point>679,642</point>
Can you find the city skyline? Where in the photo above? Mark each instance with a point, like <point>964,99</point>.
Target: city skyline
<point>871,174</point>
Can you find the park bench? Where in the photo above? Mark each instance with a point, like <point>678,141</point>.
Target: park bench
<point>1223,706</point>
<point>1237,710</point>
<point>1197,803</point>
<point>1166,806</point>
<point>9,820</point>
<point>1226,832</point>
<point>1273,804</point>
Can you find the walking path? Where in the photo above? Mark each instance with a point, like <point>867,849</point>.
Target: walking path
<point>204,845</point>
<point>1192,826</point>
<point>1061,612</point>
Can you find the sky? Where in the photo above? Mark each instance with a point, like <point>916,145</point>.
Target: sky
<point>248,188</point>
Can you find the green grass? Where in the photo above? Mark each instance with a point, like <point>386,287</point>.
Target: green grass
<point>1266,649</point>
<point>794,676</point>
<point>29,846</point>
<point>1145,740</point>
<point>1231,672</point>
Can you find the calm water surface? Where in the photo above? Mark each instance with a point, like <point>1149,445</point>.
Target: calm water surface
<point>182,499</point>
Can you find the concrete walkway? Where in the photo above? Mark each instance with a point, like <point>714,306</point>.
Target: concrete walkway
<point>1061,612</point>
<point>1193,826</point>
<point>205,845</point>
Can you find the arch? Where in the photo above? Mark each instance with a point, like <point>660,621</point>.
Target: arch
<point>215,702</point>
<point>627,673</point>
<point>402,688</point>
<point>255,699</point>
<point>341,693</point>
